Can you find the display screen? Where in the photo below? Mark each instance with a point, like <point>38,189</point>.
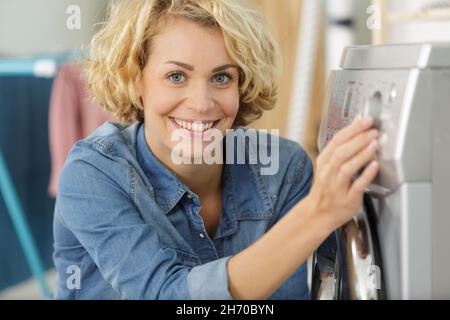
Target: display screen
<point>348,100</point>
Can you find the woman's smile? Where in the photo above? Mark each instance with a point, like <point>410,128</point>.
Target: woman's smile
<point>194,127</point>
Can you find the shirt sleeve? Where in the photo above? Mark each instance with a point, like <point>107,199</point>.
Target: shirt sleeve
<point>129,253</point>
<point>210,281</point>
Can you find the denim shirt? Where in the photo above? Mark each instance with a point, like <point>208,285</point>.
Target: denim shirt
<point>125,227</point>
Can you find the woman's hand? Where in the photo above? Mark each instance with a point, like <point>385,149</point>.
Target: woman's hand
<point>334,195</point>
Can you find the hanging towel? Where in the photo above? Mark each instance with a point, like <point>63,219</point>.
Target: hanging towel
<point>73,115</point>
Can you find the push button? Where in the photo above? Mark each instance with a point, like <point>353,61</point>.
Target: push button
<point>373,107</point>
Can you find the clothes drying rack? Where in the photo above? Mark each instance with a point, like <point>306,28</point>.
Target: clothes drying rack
<point>44,67</point>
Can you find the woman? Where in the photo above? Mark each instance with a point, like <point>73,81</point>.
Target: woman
<point>133,223</point>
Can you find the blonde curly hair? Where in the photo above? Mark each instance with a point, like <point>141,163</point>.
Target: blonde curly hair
<point>119,52</point>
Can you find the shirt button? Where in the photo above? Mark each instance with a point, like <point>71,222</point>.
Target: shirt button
<point>189,196</point>
<point>202,236</point>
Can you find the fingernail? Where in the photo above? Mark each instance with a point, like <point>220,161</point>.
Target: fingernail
<point>367,120</point>
<point>373,145</point>
<point>373,134</point>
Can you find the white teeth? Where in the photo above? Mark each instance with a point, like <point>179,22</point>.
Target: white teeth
<point>196,126</point>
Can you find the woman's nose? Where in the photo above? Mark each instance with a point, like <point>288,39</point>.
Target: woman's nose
<point>201,98</point>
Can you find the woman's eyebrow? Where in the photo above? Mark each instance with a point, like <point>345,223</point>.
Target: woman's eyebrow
<point>225,66</point>
<point>191,68</point>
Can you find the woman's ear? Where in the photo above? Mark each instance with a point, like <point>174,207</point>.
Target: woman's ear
<point>139,90</point>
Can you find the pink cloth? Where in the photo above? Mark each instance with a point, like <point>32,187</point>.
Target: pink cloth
<point>72,116</point>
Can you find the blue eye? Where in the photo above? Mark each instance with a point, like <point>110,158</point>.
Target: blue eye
<point>222,78</point>
<point>177,77</point>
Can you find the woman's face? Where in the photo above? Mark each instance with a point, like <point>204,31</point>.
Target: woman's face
<point>190,83</point>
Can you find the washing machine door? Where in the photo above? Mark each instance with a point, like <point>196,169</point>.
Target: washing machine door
<point>357,266</point>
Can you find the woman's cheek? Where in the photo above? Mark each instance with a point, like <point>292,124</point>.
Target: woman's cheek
<point>230,102</point>
<point>163,103</point>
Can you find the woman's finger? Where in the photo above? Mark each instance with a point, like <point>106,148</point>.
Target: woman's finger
<point>355,164</point>
<point>358,125</point>
<point>363,181</point>
<point>348,150</point>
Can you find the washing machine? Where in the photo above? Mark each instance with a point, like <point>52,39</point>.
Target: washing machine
<point>398,245</point>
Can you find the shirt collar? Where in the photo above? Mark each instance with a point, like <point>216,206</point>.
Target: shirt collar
<point>245,195</point>
<point>167,187</point>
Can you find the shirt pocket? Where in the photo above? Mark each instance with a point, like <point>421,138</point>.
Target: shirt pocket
<point>248,231</point>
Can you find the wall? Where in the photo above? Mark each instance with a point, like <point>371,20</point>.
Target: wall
<point>30,27</point>
<point>284,21</point>
<point>410,21</point>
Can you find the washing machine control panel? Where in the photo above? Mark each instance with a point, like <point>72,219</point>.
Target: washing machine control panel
<point>382,94</point>
<point>347,97</point>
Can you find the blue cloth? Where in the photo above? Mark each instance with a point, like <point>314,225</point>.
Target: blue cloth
<point>133,231</point>
<point>24,140</point>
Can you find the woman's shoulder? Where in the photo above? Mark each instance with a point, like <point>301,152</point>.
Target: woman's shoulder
<point>107,151</point>
<point>109,140</point>
<point>107,135</point>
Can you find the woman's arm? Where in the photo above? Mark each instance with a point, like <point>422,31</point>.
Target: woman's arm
<point>256,272</point>
<point>259,270</point>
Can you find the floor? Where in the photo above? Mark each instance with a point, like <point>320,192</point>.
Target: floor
<point>29,290</point>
